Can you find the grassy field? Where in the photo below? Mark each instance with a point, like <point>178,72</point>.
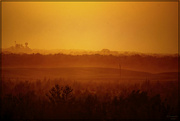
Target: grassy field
<point>85,73</point>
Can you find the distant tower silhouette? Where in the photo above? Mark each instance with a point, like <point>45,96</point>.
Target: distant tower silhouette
<point>26,44</point>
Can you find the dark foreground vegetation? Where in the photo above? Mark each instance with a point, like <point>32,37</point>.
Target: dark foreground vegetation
<point>67,99</point>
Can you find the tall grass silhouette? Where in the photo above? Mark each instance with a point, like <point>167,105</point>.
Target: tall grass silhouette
<point>63,99</point>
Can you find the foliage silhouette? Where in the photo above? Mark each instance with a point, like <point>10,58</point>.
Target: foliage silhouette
<point>78,101</point>
<point>59,94</point>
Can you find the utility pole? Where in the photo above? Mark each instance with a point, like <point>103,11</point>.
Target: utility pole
<point>120,70</point>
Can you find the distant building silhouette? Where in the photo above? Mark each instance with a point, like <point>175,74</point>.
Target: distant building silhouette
<point>20,48</point>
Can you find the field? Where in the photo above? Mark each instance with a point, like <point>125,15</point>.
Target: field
<point>88,93</point>
<point>85,73</point>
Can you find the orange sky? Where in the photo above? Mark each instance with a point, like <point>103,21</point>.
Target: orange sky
<point>148,27</point>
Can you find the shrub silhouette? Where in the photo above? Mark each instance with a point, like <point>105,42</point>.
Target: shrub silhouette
<point>67,93</point>
<point>59,94</point>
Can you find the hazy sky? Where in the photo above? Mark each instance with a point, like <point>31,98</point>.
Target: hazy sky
<point>148,27</point>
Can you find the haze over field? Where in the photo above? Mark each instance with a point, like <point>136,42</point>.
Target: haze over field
<point>137,36</point>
